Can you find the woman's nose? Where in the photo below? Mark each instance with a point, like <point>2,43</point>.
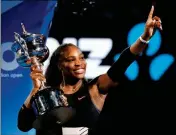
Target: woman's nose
<point>78,62</point>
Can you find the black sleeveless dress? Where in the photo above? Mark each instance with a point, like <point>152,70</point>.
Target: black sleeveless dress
<point>86,112</point>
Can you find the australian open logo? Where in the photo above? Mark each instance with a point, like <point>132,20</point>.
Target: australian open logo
<point>9,64</point>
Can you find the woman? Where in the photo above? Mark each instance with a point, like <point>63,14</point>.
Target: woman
<point>66,72</point>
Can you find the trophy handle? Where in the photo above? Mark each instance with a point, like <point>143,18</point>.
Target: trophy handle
<point>33,60</point>
<point>24,30</point>
<point>22,43</point>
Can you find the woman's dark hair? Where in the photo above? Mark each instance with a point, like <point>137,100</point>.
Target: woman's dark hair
<point>53,74</point>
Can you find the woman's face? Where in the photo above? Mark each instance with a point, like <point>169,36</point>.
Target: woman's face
<point>73,63</point>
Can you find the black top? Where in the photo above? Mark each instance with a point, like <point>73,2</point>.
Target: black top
<point>86,114</point>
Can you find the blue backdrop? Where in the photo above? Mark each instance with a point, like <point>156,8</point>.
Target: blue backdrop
<point>16,83</point>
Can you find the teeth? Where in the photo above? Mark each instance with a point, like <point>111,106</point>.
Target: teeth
<point>79,71</point>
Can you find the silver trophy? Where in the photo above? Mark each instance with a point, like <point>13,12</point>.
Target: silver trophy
<point>27,46</point>
<point>48,102</point>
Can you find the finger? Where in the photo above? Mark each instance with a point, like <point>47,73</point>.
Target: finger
<point>158,25</point>
<point>38,76</point>
<point>151,12</point>
<point>38,80</point>
<point>37,71</point>
<point>153,22</point>
<point>37,68</point>
<point>35,78</point>
<point>157,19</point>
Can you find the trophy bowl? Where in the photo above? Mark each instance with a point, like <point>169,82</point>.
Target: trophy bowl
<point>29,45</point>
<point>48,103</point>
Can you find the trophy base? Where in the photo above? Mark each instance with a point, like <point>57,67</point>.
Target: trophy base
<point>57,116</point>
<point>50,109</point>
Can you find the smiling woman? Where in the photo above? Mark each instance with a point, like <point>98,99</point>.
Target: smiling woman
<point>66,72</point>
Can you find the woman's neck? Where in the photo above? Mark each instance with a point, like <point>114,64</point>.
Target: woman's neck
<point>70,86</point>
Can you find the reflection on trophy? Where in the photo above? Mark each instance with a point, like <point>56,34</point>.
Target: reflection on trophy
<point>47,103</point>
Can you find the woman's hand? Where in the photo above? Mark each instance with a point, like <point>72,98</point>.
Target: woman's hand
<point>151,25</point>
<point>37,77</point>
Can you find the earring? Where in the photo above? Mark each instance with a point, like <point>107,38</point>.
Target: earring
<point>63,80</point>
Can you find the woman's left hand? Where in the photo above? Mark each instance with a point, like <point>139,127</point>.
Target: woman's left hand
<point>151,25</point>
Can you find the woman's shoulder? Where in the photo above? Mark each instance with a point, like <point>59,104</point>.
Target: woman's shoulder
<point>92,81</point>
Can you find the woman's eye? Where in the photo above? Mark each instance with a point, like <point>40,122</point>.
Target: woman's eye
<point>70,60</point>
<point>82,58</point>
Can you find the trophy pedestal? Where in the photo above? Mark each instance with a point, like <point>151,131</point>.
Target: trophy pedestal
<point>49,108</point>
<point>59,115</point>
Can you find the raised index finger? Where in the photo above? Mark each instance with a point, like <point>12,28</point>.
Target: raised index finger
<point>151,12</point>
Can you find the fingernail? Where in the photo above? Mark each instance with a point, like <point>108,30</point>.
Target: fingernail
<point>161,27</point>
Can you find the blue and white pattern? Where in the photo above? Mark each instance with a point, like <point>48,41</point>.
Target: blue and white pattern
<point>159,64</point>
